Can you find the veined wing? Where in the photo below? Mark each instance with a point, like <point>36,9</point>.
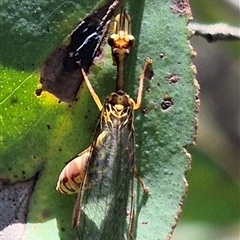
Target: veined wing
<point>110,174</point>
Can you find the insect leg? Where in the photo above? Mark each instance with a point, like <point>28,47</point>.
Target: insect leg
<point>136,173</point>
<point>91,90</point>
<point>131,228</point>
<point>132,220</point>
<point>148,62</point>
<point>78,204</point>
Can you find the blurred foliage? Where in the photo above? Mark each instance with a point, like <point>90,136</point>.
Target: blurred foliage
<point>213,196</point>
<point>213,199</point>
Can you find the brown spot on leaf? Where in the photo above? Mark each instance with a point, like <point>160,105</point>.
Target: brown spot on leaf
<point>149,74</point>
<point>56,80</point>
<point>60,73</point>
<point>145,111</point>
<point>161,55</point>
<point>167,103</point>
<point>181,7</point>
<point>172,78</point>
<point>148,89</point>
<point>38,92</point>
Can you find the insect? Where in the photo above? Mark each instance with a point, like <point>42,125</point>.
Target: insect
<point>103,174</point>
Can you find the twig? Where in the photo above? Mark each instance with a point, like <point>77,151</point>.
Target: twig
<point>215,32</point>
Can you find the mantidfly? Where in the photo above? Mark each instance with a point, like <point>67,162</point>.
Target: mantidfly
<point>103,174</point>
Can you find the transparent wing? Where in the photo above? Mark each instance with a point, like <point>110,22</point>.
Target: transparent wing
<point>109,180</point>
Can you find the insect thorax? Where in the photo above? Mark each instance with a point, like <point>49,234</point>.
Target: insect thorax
<point>118,110</point>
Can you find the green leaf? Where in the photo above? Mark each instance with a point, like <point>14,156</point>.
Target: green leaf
<point>39,134</point>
